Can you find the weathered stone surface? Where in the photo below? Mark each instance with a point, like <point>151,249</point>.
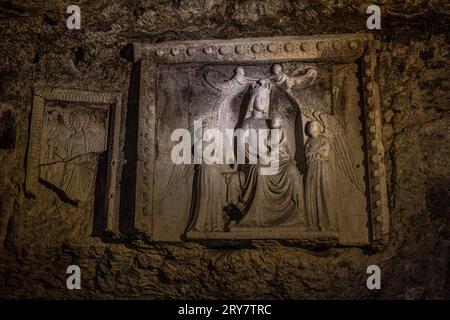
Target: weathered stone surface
<point>329,120</point>
<point>40,238</point>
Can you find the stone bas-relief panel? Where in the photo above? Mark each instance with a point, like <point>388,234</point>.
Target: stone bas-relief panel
<point>73,137</point>
<point>70,132</point>
<point>323,191</point>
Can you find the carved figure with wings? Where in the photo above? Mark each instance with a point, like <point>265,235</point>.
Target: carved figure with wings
<point>345,159</point>
<point>81,155</point>
<point>237,83</point>
<point>228,90</point>
<point>297,78</point>
<point>332,124</point>
<point>319,188</point>
<point>327,143</point>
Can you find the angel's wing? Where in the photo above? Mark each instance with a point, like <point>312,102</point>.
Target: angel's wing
<point>91,120</point>
<point>345,158</point>
<point>344,76</point>
<point>67,120</point>
<point>232,85</point>
<point>179,174</point>
<point>304,80</point>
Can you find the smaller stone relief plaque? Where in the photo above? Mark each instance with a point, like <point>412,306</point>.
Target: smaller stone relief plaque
<point>70,131</point>
<point>314,98</point>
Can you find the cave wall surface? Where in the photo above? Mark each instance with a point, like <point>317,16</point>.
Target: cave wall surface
<point>41,237</point>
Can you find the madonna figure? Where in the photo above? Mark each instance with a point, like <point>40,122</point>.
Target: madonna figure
<point>274,200</point>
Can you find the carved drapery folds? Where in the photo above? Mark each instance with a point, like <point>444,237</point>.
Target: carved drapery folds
<point>313,101</point>
<point>329,186</point>
<point>331,183</point>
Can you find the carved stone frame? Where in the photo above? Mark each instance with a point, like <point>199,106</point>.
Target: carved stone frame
<point>108,101</point>
<point>357,48</point>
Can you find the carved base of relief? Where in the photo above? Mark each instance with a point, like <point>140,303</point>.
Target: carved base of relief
<point>265,233</point>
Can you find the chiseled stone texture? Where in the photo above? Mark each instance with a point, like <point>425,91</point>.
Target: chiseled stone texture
<point>41,237</point>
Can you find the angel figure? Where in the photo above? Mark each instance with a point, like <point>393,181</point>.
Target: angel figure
<point>238,82</point>
<point>214,186</point>
<point>81,156</point>
<point>328,145</point>
<point>228,90</point>
<point>319,180</point>
<point>280,78</point>
<point>210,191</point>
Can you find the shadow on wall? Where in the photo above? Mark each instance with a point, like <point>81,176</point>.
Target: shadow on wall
<point>128,178</point>
<point>128,192</point>
<point>7,130</point>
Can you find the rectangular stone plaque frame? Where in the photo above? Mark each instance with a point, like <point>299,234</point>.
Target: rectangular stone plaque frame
<point>104,100</point>
<point>343,48</point>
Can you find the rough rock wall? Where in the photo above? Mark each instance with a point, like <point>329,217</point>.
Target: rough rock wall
<point>41,237</point>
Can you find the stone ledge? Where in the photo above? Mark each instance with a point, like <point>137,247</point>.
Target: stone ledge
<point>264,233</point>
